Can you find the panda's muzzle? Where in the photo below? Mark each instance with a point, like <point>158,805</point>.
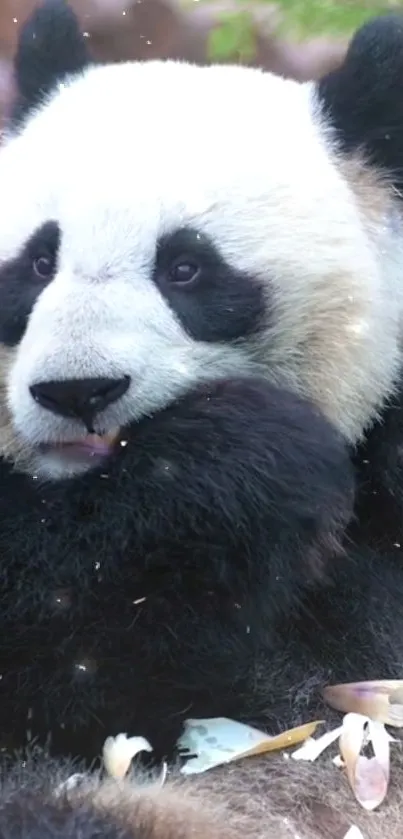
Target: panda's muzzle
<point>81,399</point>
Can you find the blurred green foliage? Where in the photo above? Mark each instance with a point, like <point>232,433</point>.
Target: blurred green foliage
<point>233,37</point>
<point>338,17</point>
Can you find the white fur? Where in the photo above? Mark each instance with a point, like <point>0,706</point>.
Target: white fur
<point>129,152</point>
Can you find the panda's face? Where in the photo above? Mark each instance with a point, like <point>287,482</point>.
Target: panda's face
<point>162,224</point>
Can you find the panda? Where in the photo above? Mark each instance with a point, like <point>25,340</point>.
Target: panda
<point>201,377</point>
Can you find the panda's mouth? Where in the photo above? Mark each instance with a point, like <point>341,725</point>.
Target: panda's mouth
<point>88,447</point>
<point>72,457</point>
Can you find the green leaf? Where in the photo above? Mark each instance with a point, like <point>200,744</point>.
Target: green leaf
<point>233,38</point>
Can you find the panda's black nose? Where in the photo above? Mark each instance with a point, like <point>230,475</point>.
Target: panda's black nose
<point>79,398</point>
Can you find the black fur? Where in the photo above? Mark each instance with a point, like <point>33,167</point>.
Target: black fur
<point>379,479</point>
<point>45,817</point>
<point>363,97</point>
<point>20,285</point>
<point>222,512</point>
<point>51,47</point>
<point>31,807</point>
<point>220,304</point>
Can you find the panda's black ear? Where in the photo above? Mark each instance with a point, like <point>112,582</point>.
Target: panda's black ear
<point>364,97</point>
<point>50,47</point>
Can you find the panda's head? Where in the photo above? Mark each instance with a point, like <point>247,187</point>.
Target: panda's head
<point>162,224</point>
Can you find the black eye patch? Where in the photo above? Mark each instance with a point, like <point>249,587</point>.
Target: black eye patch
<point>213,301</point>
<point>23,278</point>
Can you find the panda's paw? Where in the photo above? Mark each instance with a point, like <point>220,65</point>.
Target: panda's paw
<point>258,469</point>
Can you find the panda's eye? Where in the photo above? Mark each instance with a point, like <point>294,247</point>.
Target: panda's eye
<point>44,265</point>
<point>183,272</point>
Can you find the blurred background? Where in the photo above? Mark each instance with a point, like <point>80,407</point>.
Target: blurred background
<point>297,38</point>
